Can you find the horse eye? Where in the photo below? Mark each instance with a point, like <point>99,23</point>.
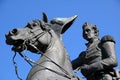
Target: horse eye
<point>35,24</point>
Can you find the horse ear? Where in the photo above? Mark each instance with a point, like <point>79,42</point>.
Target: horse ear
<point>45,19</point>
<point>62,24</point>
<point>67,23</point>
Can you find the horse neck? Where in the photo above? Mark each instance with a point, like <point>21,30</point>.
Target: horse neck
<point>56,50</point>
<point>57,53</point>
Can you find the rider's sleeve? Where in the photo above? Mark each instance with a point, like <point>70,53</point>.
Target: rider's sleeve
<point>78,61</point>
<point>108,45</point>
<point>109,55</point>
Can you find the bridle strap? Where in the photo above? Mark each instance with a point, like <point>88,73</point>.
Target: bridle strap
<point>37,36</point>
<point>29,61</point>
<point>16,67</point>
<point>66,73</point>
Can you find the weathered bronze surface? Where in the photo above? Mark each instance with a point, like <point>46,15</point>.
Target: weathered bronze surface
<point>99,59</point>
<point>43,37</point>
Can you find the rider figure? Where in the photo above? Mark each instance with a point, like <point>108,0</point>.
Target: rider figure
<point>99,59</point>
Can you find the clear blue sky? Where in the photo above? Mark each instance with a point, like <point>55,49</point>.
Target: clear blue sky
<point>16,13</point>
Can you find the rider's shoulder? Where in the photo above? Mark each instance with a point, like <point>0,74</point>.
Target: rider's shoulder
<point>107,38</point>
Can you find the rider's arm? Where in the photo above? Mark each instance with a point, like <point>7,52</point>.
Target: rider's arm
<point>108,45</point>
<point>78,61</point>
<point>109,55</point>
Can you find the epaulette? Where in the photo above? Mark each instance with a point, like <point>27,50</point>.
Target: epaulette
<point>107,38</point>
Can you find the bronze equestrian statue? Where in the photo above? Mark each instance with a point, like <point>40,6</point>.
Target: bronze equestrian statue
<point>43,37</point>
<point>99,59</point>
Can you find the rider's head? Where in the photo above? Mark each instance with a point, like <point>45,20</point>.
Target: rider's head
<point>90,31</point>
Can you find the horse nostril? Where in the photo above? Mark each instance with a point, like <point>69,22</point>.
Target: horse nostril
<point>14,31</point>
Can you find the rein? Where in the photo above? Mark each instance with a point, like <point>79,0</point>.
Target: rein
<point>67,75</point>
<point>29,61</point>
<point>31,44</point>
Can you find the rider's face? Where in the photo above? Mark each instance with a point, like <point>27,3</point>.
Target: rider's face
<point>88,33</point>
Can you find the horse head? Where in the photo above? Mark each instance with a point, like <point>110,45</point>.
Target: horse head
<point>44,37</point>
<point>34,34</point>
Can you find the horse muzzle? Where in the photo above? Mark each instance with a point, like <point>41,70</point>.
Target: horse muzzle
<point>18,44</point>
